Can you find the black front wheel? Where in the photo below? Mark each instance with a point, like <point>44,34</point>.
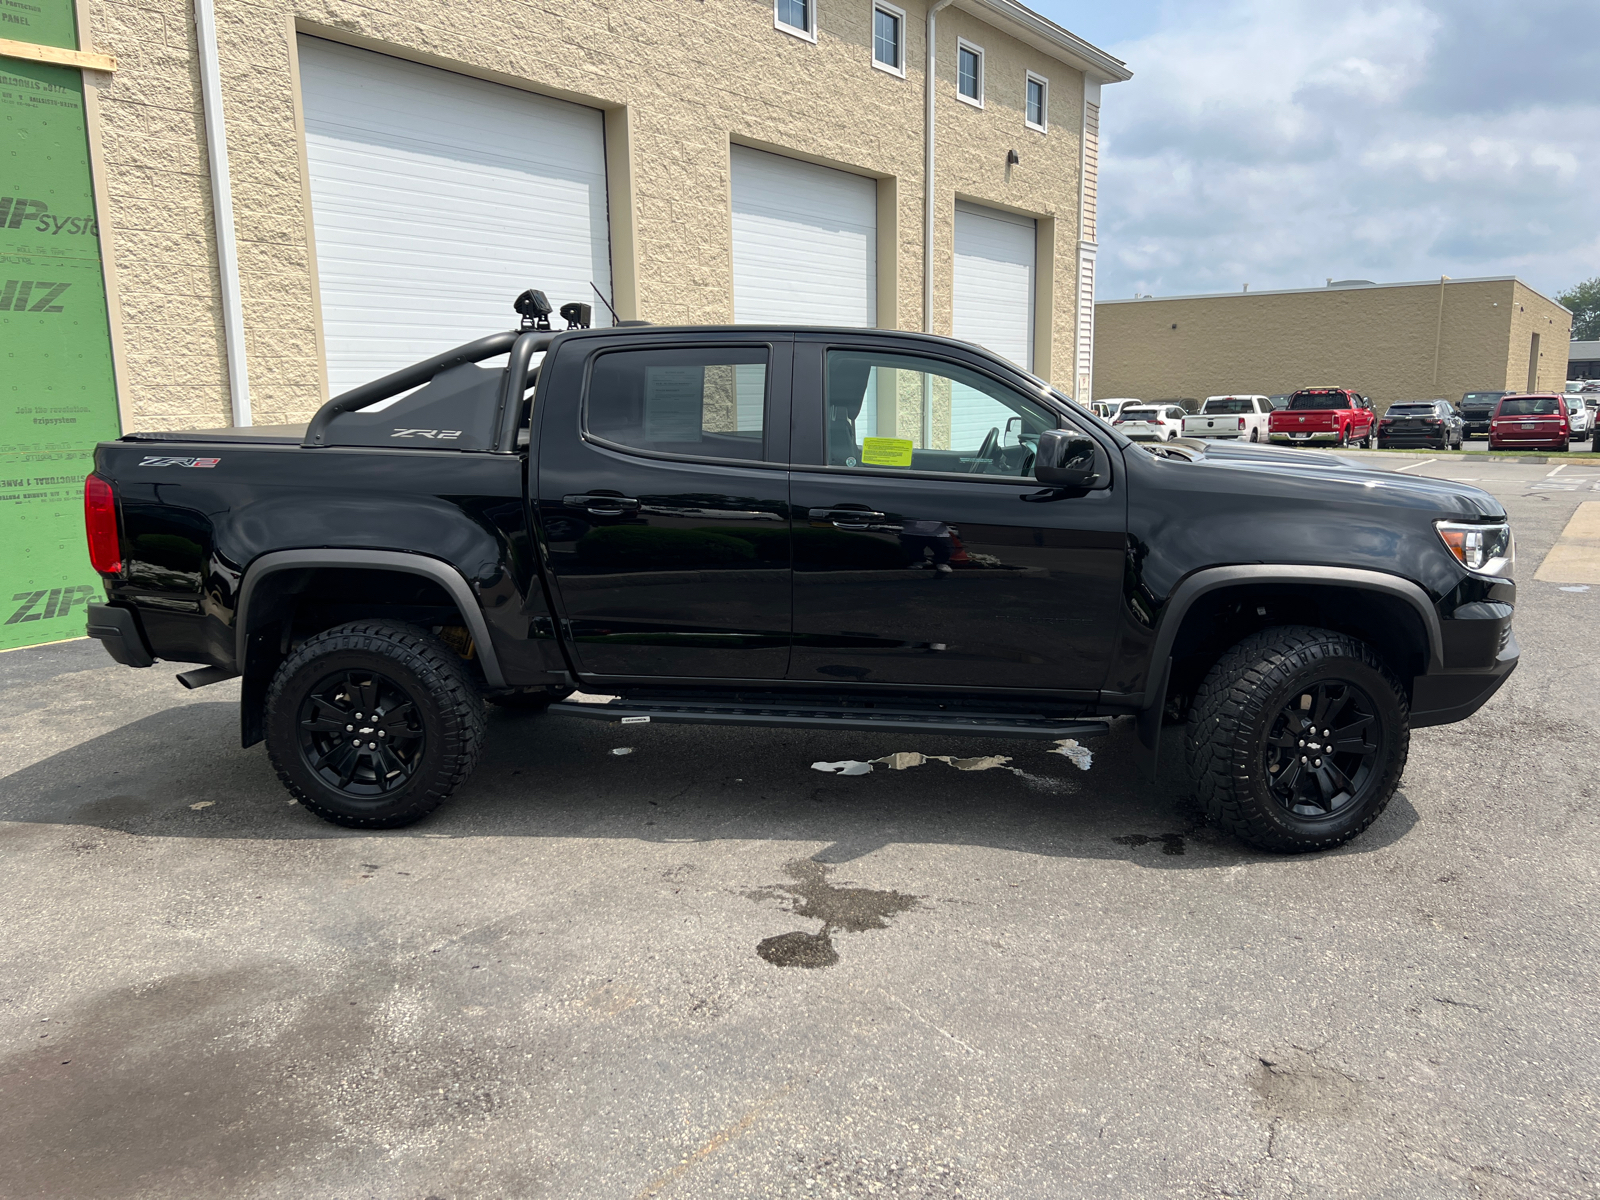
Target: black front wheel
<point>1297,739</point>
<point>373,724</point>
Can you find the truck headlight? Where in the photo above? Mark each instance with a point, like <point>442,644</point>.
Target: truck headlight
<point>1482,549</point>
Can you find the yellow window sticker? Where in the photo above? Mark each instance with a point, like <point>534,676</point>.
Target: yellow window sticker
<point>886,452</point>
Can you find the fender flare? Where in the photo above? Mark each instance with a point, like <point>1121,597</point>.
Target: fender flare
<point>442,573</point>
<point>1212,579</point>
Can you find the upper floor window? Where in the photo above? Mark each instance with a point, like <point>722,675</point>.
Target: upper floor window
<point>798,17</point>
<point>888,38</point>
<point>969,72</point>
<point>1038,102</point>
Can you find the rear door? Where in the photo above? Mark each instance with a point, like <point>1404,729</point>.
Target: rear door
<point>925,552</point>
<point>662,500</point>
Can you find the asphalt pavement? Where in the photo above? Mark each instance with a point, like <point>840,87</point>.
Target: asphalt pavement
<point>1044,982</point>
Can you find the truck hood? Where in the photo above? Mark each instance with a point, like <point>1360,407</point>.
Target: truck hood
<point>1297,468</point>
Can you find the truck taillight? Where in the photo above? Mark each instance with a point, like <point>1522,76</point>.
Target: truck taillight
<point>1241,422</point>
<point>100,523</point>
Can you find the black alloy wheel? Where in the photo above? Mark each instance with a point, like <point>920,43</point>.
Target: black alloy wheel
<point>361,734</point>
<point>372,724</point>
<point>1297,738</point>
<point>1322,749</point>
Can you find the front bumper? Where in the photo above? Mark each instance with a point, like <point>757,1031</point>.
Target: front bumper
<point>1327,437</point>
<point>1449,696</point>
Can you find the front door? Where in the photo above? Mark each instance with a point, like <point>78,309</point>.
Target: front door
<point>925,552</point>
<point>663,502</point>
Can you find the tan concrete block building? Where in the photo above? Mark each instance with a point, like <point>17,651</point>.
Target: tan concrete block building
<point>1399,341</point>
<point>339,188</point>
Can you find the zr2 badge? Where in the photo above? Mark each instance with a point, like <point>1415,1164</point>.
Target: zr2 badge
<point>161,460</point>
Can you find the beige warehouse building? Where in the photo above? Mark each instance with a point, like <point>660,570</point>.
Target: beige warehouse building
<point>1400,341</point>
<point>344,187</point>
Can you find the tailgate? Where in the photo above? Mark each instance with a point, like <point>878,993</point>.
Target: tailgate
<point>1314,421</point>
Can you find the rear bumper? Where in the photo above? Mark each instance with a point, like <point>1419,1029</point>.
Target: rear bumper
<point>1435,440</point>
<point>1216,435</point>
<point>117,629</point>
<point>1527,443</point>
<point>1326,437</point>
<point>1450,696</point>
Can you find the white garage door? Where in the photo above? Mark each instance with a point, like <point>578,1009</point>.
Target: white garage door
<point>436,199</point>
<point>805,242</point>
<point>993,307</point>
<point>994,281</point>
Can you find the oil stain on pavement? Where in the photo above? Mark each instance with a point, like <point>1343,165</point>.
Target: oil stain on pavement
<point>810,895</point>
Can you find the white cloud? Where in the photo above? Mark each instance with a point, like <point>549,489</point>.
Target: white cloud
<point>1279,142</point>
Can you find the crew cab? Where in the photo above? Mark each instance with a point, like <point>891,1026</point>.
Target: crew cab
<point>1533,421</point>
<point>1323,415</point>
<point>1230,417</point>
<point>745,525</point>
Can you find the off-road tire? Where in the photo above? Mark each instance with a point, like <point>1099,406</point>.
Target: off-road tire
<point>529,699</point>
<point>1234,711</point>
<point>448,713</point>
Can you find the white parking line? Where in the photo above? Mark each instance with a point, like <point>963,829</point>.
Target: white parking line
<point>1558,470</point>
<point>1408,466</point>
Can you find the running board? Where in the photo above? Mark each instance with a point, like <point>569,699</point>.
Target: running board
<point>817,716</point>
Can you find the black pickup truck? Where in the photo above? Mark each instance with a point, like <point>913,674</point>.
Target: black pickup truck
<point>837,528</point>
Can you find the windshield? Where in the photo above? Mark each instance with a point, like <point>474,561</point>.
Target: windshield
<point>1302,400</point>
<point>1529,406</point>
<point>1230,405</point>
<point>1481,398</point>
<point>1139,414</point>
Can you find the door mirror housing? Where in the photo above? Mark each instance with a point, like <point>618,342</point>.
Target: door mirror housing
<point>1069,459</point>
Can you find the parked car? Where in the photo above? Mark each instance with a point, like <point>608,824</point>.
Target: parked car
<point>1531,421</point>
<point>1477,408</point>
<point>693,525</point>
<point>1281,401</point>
<point>1582,414</point>
<point>1151,422</point>
<point>1325,415</point>
<point>1241,417</point>
<point>1430,423</point>
<point>1107,410</point>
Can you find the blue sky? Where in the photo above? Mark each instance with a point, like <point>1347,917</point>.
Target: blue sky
<point>1281,142</point>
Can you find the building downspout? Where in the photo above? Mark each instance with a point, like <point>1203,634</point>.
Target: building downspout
<point>1438,331</point>
<point>927,167</point>
<point>205,23</point>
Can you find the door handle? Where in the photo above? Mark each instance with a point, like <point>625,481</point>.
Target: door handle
<point>846,518</point>
<point>602,506</point>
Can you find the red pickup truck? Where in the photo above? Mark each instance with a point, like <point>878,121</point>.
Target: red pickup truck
<point>1323,415</point>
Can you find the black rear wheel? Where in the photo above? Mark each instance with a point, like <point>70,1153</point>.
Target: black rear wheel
<point>1297,739</point>
<point>373,724</point>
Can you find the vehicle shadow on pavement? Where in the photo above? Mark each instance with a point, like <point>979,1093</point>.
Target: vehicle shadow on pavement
<point>181,773</point>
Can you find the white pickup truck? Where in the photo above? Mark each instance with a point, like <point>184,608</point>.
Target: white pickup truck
<point>1243,417</point>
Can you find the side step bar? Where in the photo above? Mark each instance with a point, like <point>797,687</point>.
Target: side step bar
<point>817,716</point>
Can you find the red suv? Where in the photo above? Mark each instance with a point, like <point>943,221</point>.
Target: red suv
<point>1532,421</point>
<point>1323,415</point>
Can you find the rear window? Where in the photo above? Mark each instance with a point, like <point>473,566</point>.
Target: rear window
<point>1302,400</point>
<point>1411,410</point>
<point>1138,414</point>
<point>1232,405</point>
<point>1529,406</point>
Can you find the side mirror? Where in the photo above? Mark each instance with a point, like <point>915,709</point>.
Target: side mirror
<point>1068,459</point>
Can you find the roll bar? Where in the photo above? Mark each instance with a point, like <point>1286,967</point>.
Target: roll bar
<point>419,373</point>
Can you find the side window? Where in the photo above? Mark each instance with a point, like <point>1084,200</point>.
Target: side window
<point>706,402</point>
<point>903,412</point>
